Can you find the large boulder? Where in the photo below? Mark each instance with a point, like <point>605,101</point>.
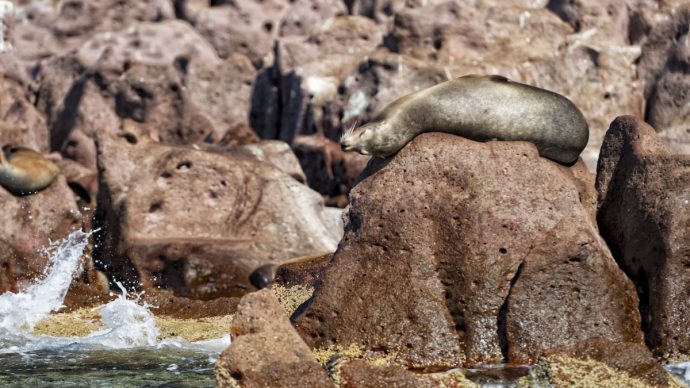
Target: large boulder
<point>644,215</point>
<point>459,253</point>
<point>266,351</point>
<point>198,221</point>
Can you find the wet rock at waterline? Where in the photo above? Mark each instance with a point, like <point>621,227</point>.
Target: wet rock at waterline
<point>458,253</point>
<point>199,221</point>
<point>644,214</point>
<point>266,351</point>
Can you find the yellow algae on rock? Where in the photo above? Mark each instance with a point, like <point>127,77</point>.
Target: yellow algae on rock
<point>192,330</point>
<point>82,322</point>
<point>78,323</point>
<point>292,297</point>
<point>572,372</point>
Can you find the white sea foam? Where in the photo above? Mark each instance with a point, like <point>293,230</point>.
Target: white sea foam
<point>129,323</point>
<point>20,312</point>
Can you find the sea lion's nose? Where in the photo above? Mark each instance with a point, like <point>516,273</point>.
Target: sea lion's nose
<point>343,146</point>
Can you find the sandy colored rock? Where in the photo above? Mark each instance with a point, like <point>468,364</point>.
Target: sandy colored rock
<point>266,350</point>
<point>448,240</point>
<point>645,218</point>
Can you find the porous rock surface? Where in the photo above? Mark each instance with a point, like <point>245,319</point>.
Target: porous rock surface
<point>458,252</point>
<point>644,215</point>
<point>665,69</point>
<point>199,221</point>
<point>29,223</point>
<point>266,351</point>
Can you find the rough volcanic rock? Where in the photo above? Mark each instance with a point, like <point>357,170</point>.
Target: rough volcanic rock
<point>246,27</point>
<point>302,16</point>
<point>29,223</point>
<point>44,29</point>
<point>199,222</point>
<point>446,242</point>
<point>331,171</point>
<point>644,215</point>
<point>530,45</point>
<point>21,122</point>
<point>163,74</point>
<point>633,358</point>
<point>266,351</point>
<point>665,68</point>
<point>360,374</point>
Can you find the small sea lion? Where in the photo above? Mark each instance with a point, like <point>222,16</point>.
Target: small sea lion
<point>478,108</point>
<point>24,171</point>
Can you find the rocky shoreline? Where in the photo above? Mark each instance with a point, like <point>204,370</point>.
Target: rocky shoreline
<point>199,141</point>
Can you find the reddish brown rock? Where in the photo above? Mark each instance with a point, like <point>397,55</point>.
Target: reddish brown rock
<point>43,30</point>
<point>29,223</point>
<point>644,215</point>
<point>245,27</point>
<point>184,90</point>
<point>198,222</point>
<point>331,171</point>
<point>360,374</point>
<point>302,16</point>
<point>446,241</point>
<point>266,351</point>
<point>21,123</point>
<point>665,69</point>
<point>633,358</point>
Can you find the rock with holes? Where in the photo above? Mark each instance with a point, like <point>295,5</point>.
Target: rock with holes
<point>246,27</point>
<point>594,67</point>
<point>41,30</point>
<point>644,214</point>
<point>665,68</point>
<point>20,122</point>
<point>198,221</point>
<point>459,253</point>
<point>266,351</point>
<point>162,74</point>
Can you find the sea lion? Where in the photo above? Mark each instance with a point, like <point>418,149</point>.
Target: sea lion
<point>478,108</point>
<point>25,171</point>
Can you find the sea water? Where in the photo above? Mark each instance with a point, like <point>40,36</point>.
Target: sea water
<point>126,353</point>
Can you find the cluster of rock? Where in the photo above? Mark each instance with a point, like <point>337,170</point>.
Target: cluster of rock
<point>463,254</point>
<point>200,139</point>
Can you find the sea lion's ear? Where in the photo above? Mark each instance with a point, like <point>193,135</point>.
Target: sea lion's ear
<point>498,78</point>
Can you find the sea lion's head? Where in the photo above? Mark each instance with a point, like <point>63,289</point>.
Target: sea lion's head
<point>376,138</point>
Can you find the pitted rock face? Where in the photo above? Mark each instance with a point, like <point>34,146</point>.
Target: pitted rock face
<point>199,221</point>
<point>458,252</point>
<point>644,215</point>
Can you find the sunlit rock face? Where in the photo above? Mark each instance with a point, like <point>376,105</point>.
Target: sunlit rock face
<point>458,252</point>
<point>198,221</point>
<point>644,214</point>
